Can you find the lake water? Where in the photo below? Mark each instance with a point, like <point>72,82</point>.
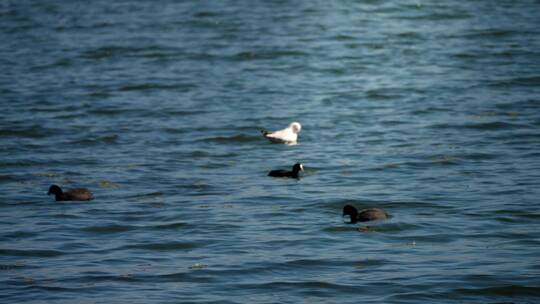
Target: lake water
<point>428,109</point>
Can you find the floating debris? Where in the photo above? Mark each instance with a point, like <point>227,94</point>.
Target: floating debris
<point>45,174</point>
<point>198,266</point>
<point>108,184</point>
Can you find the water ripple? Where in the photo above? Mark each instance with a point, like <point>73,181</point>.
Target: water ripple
<point>31,252</point>
<point>171,246</point>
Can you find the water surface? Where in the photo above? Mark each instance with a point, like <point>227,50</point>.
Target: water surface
<point>429,110</point>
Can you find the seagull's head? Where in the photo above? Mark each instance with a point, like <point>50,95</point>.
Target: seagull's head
<point>295,127</point>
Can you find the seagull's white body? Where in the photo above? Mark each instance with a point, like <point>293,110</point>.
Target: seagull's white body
<point>288,135</point>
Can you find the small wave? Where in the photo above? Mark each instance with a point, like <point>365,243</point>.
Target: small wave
<point>60,289</point>
<point>61,63</point>
<point>520,105</point>
<point>533,81</point>
<point>30,252</point>
<point>382,94</point>
<point>107,229</point>
<point>169,226</point>
<point>184,113</point>
<point>382,227</point>
<point>205,14</point>
<point>267,55</point>
<point>172,246</point>
<point>147,51</point>
<point>496,125</point>
<point>34,131</point>
<point>159,278</point>
<point>115,278</point>
<point>493,33</point>
<point>20,234</point>
<point>175,131</point>
<point>311,286</point>
<point>198,154</point>
<point>308,263</point>
<point>344,37</point>
<point>6,178</point>
<point>107,52</point>
<point>435,16</point>
<point>489,126</point>
<point>386,227</point>
<point>445,160</point>
<point>339,229</point>
<point>6,267</point>
<point>52,288</point>
<point>178,277</point>
<point>383,167</point>
<point>156,86</point>
<point>508,290</point>
<point>462,55</point>
<point>394,122</point>
<point>506,219</point>
<point>238,138</point>
<point>111,111</point>
<point>107,139</point>
<point>515,214</point>
<point>374,46</point>
<point>429,110</point>
<point>409,35</point>
<point>420,164</point>
<point>66,216</point>
<point>148,195</point>
<point>476,156</point>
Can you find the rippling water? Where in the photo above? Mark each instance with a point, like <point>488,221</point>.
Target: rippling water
<point>428,109</point>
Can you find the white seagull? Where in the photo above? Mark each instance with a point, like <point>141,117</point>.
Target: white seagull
<point>288,135</point>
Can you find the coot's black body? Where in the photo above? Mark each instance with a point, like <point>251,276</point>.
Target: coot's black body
<point>77,194</point>
<point>365,215</point>
<point>284,173</point>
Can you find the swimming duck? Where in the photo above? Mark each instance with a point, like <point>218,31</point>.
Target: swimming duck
<point>284,173</point>
<point>364,215</point>
<point>77,194</point>
<point>288,135</point>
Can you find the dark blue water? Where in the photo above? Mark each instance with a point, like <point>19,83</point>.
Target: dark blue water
<point>428,109</point>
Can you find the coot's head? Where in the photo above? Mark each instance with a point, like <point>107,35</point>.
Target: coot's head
<point>296,127</point>
<point>298,167</point>
<point>351,211</point>
<point>54,189</point>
